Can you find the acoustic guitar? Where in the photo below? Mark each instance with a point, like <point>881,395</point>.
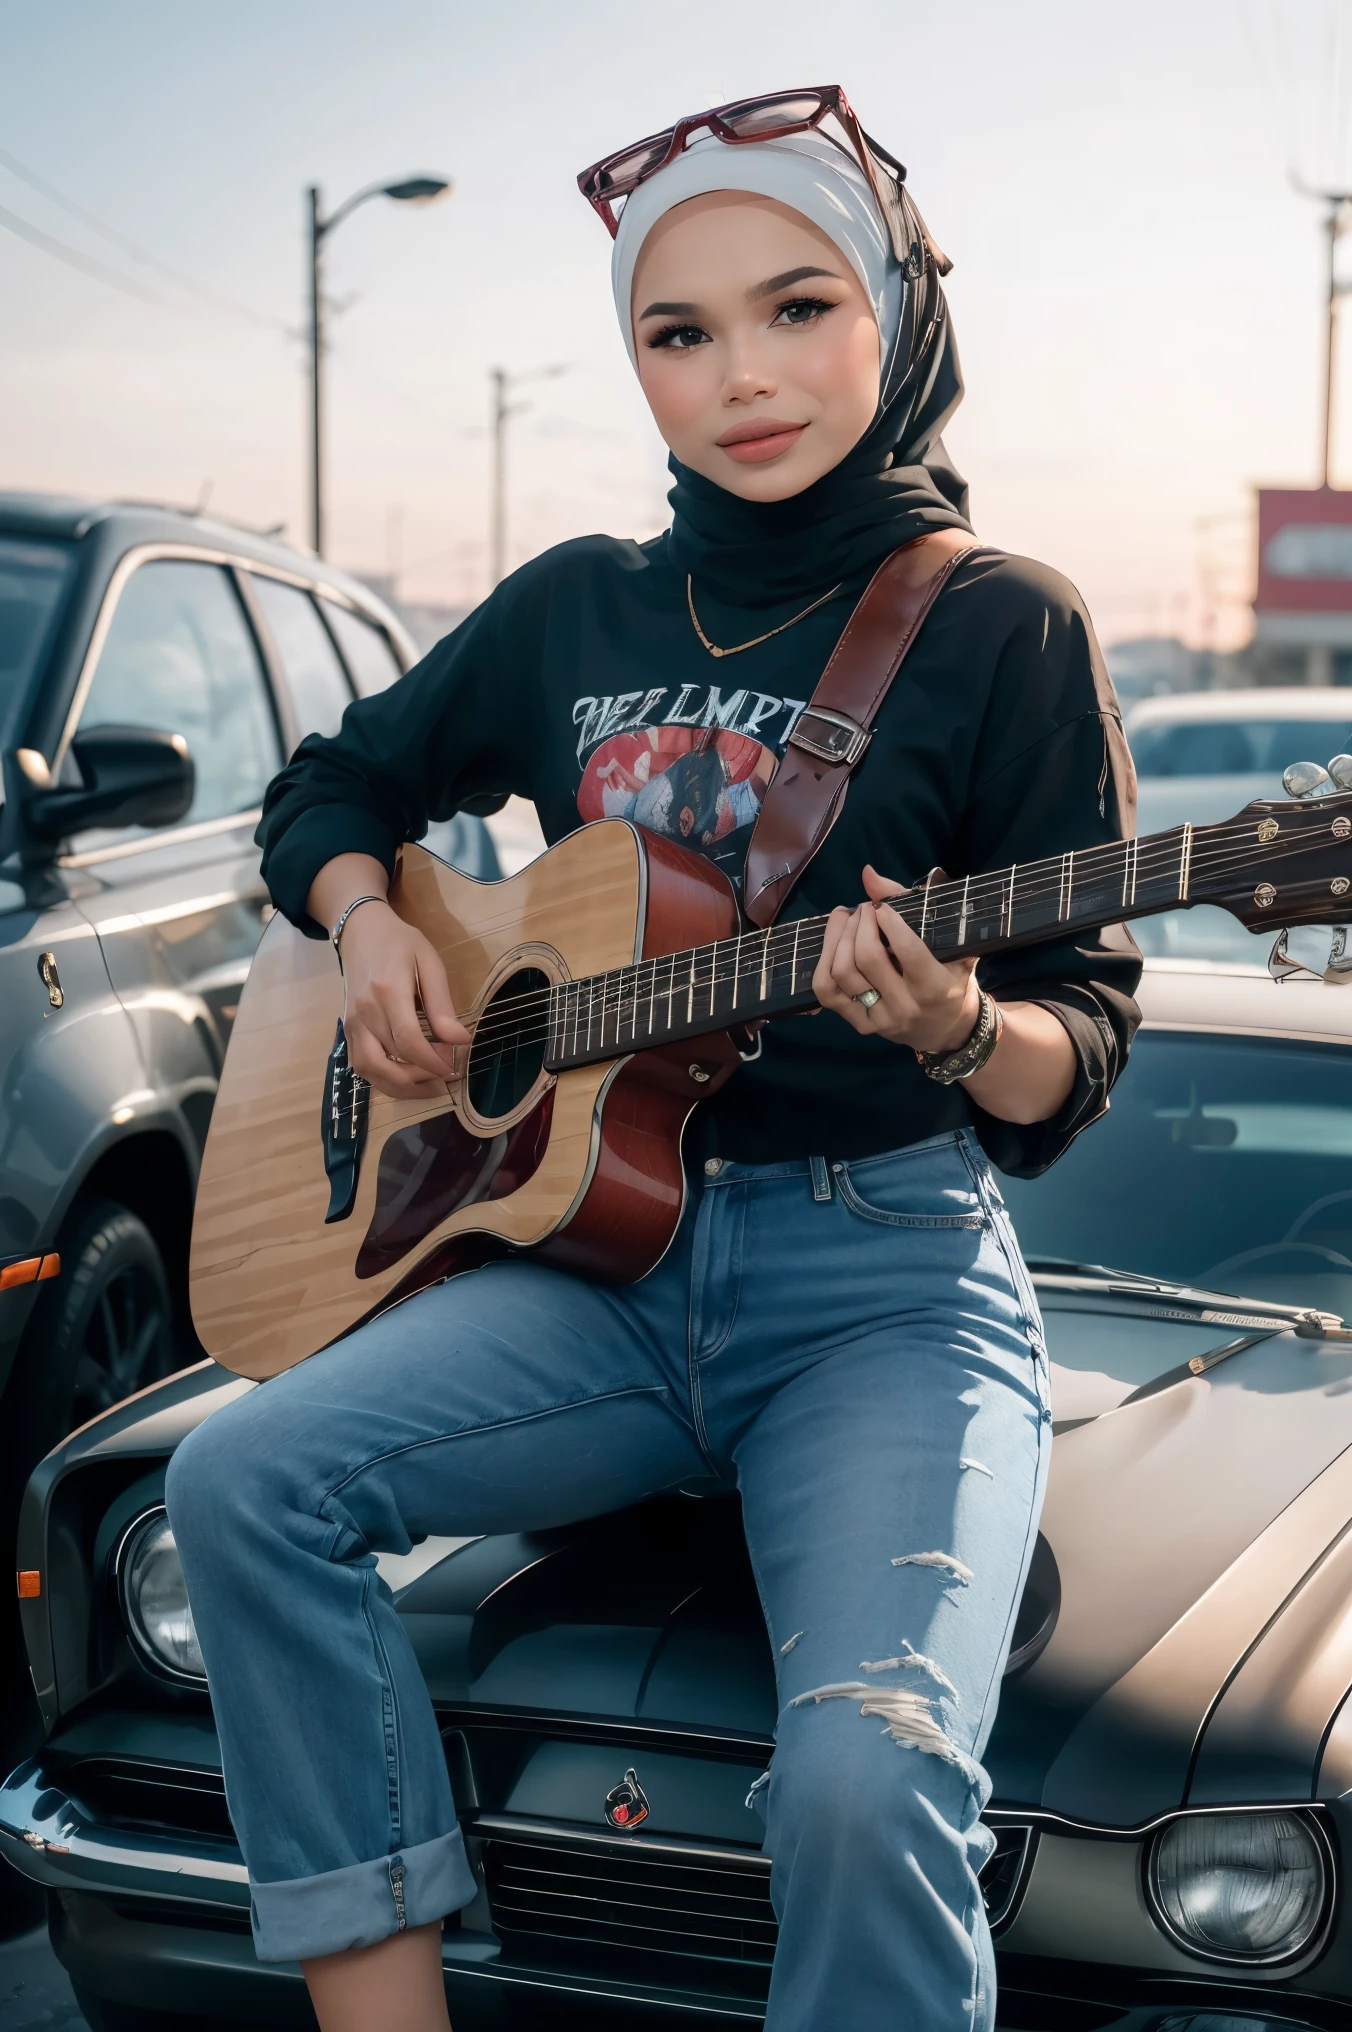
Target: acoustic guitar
<point>608,987</point>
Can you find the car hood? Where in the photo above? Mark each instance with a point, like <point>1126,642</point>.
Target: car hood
<point>1187,1514</point>
<point>1192,1541</point>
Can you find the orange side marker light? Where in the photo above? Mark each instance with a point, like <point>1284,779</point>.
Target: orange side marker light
<point>30,1584</point>
<point>29,1270</point>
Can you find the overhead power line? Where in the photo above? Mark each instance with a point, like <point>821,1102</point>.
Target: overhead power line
<point>134,251</point>
<point>73,259</point>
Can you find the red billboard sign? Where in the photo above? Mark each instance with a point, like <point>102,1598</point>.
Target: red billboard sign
<point>1304,550</point>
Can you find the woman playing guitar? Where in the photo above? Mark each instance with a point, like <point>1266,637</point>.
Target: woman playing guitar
<point>843,1328</point>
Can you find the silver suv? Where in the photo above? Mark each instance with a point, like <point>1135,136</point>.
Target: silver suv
<point>156,668</point>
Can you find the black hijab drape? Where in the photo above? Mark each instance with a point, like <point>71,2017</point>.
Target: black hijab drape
<point>896,484</point>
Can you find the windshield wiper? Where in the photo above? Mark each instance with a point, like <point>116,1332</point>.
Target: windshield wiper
<point>1309,1323</point>
<point>1068,1267</point>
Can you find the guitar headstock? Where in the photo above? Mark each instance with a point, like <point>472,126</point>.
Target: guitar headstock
<point>1282,861</point>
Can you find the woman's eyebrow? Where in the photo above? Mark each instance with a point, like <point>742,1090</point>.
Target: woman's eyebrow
<point>777,282</point>
<point>670,310</point>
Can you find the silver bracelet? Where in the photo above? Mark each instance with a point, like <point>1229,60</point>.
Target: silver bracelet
<point>356,904</point>
<point>973,1052</point>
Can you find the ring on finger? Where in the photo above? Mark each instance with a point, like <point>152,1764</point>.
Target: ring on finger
<point>868,998</point>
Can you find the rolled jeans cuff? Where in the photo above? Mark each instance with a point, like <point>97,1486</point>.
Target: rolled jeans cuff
<point>355,1907</point>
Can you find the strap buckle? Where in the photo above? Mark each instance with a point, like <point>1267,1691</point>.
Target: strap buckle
<point>834,736</point>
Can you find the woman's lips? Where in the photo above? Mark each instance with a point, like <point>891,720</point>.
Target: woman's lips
<point>751,444</point>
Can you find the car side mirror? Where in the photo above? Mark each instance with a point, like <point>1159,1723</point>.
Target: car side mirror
<point>129,776</point>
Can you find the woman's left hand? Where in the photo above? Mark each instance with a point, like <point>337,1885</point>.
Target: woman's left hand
<point>930,1004</point>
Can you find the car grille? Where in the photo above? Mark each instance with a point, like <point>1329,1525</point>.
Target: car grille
<point>151,1798</point>
<point>1005,1872</point>
<point>559,1899</point>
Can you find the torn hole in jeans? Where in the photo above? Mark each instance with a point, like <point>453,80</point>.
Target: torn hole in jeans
<point>757,1789</point>
<point>909,1716</point>
<point>917,1662</point>
<point>943,1562</point>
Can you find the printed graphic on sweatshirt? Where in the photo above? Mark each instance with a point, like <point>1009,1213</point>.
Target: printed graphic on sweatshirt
<point>684,761</point>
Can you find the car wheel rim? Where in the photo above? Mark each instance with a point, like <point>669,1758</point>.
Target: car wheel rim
<point>121,1343</point>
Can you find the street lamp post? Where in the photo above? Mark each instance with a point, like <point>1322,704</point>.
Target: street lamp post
<point>503,411</point>
<point>1337,221</point>
<point>412,190</point>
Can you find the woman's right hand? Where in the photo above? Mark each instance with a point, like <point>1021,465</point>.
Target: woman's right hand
<point>390,970</point>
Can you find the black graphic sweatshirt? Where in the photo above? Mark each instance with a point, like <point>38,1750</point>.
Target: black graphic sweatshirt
<point>582,685</point>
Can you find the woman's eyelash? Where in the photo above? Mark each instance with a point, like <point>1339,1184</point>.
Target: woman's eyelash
<point>813,306</point>
<point>669,334</point>
<point>683,337</point>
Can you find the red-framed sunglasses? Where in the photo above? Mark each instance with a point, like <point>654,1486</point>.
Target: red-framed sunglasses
<point>768,118</point>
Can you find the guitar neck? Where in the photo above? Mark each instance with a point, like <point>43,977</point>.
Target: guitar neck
<point>769,973</point>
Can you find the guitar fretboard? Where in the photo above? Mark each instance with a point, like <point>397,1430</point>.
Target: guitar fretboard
<point>765,973</point>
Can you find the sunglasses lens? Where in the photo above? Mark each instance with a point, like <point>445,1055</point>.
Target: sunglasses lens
<point>618,176</point>
<point>763,116</point>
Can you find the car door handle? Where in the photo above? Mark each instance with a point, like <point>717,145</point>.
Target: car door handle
<point>51,980</point>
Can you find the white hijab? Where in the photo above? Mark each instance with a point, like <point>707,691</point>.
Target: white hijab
<point>808,172</point>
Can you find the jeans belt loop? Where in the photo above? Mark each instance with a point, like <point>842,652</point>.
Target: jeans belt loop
<point>821,1180</point>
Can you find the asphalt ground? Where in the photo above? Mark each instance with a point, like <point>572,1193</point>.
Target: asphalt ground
<point>33,1988</point>
<point>35,1995</point>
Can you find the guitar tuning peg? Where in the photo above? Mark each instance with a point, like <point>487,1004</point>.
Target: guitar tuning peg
<point>1320,954</point>
<point>1338,972</point>
<point>1340,769</point>
<point>1305,779</point>
<point>1281,966</point>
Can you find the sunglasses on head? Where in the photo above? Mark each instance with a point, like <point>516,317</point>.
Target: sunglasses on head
<point>768,118</point>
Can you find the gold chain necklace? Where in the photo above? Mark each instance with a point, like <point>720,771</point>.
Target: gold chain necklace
<point>756,640</point>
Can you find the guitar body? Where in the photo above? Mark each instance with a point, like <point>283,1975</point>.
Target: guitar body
<point>581,1166</point>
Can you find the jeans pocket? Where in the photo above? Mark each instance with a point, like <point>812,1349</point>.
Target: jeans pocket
<point>926,1186</point>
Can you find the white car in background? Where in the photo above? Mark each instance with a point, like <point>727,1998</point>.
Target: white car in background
<point>1201,757</point>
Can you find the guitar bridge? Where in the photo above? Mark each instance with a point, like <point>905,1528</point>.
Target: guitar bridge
<point>346,1101</point>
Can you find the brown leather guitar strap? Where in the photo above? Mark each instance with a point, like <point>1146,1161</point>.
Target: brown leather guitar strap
<point>828,742</point>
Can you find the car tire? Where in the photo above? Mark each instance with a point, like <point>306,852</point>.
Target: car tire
<point>101,1330</point>
<point>105,2014</point>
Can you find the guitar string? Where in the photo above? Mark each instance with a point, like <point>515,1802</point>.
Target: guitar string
<point>620,994</point>
<point>623,986</point>
<point>1155,845</point>
<point>621,990</point>
<point>931,900</point>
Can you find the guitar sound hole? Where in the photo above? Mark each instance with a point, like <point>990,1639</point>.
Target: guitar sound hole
<point>508,1051</point>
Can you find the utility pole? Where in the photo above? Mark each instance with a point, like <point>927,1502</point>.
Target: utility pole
<point>503,410</point>
<point>316,378</point>
<point>1337,221</point>
<point>411,190</point>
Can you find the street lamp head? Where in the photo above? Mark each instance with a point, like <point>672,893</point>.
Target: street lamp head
<point>418,190</point>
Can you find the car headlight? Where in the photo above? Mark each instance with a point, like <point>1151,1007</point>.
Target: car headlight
<point>155,1599</point>
<point>1240,1886</point>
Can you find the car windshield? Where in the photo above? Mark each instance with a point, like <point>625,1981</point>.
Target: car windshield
<point>1236,747</point>
<point>33,580</point>
<point>1224,1162</point>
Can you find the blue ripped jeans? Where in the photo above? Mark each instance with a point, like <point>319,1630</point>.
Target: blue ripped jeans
<point>859,1347</point>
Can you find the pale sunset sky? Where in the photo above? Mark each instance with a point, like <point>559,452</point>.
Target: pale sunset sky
<point>1137,291</point>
